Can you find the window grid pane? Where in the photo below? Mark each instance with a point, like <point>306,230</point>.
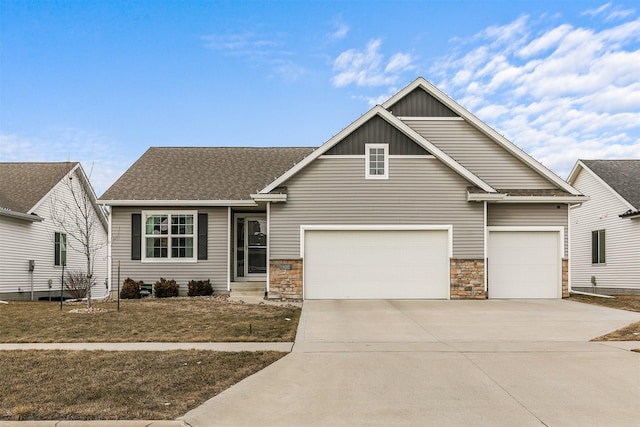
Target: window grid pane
<point>376,161</point>
<point>157,224</point>
<point>170,245</point>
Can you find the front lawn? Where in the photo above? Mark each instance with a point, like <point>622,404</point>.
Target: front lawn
<point>127,385</point>
<point>199,319</point>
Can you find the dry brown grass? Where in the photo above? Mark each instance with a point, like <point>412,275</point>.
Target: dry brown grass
<point>622,302</point>
<point>92,385</point>
<point>201,319</point>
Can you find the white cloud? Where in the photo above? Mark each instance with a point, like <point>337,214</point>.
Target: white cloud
<point>610,14</point>
<point>368,67</point>
<point>561,93</point>
<point>267,51</point>
<point>341,30</point>
<point>597,11</point>
<point>68,144</point>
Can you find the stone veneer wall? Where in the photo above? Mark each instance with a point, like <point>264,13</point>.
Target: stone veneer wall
<point>565,278</point>
<point>285,279</point>
<point>467,279</point>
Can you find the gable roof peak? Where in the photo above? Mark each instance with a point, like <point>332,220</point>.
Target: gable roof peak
<point>621,175</point>
<point>474,121</point>
<point>24,184</point>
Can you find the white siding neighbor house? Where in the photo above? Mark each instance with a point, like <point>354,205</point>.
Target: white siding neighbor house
<point>605,231</point>
<point>416,199</point>
<point>37,225</point>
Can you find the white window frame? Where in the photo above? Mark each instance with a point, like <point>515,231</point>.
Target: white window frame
<point>601,246</point>
<point>367,167</point>
<point>169,236</point>
<point>59,249</point>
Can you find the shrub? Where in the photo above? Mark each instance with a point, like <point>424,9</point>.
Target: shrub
<point>130,289</point>
<point>200,288</point>
<point>165,288</point>
<point>77,283</point>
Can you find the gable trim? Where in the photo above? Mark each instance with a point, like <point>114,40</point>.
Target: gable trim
<point>433,119</point>
<point>483,127</point>
<point>398,124</point>
<point>86,186</point>
<point>20,215</point>
<point>573,175</point>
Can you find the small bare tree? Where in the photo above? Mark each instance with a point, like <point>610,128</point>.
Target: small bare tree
<point>73,210</point>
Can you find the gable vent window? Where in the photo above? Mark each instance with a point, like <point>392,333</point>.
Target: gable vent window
<point>377,161</point>
<point>598,247</point>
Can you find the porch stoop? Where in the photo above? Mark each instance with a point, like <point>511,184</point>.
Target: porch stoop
<point>248,289</point>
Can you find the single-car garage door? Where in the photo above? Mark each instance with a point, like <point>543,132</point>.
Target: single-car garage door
<point>524,264</point>
<point>376,264</point>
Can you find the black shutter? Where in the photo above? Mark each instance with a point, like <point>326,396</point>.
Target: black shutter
<point>203,220</point>
<point>136,236</point>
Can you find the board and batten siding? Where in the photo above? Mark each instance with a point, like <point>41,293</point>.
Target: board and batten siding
<point>25,240</point>
<point>333,190</point>
<point>622,238</point>
<point>213,268</point>
<point>530,215</point>
<point>476,152</point>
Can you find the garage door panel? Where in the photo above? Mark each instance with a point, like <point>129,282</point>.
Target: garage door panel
<point>524,264</point>
<point>374,264</point>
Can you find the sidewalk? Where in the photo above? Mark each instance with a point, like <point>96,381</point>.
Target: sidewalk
<point>154,346</point>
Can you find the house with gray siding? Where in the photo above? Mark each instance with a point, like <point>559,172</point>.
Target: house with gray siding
<point>38,216</point>
<point>417,198</point>
<point>605,231</point>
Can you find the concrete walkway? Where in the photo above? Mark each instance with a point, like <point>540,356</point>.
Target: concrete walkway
<point>155,346</point>
<point>449,363</point>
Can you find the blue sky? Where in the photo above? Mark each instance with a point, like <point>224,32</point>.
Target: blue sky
<point>101,81</point>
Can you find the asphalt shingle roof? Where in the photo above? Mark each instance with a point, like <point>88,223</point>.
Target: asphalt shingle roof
<point>22,185</point>
<point>203,173</point>
<point>621,175</point>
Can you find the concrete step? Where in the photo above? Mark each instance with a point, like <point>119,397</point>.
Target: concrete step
<point>248,289</point>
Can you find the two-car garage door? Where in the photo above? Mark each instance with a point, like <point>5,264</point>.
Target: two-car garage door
<point>376,264</point>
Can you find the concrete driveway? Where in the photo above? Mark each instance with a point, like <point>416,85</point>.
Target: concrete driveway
<point>449,363</point>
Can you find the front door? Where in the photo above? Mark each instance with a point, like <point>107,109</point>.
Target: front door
<point>251,246</point>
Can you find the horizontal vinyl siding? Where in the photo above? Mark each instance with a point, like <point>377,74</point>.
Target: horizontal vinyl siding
<point>419,191</point>
<point>622,238</point>
<point>530,215</point>
<point>214,268</point>
<point>23,240</point>
<point>475,151</point>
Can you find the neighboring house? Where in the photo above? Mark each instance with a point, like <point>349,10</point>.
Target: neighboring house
<point>605,231</point>
<point>409,201</point>
<point>35,199</point>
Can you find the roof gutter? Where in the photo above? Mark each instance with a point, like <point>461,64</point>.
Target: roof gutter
<point>20,215</point>
<point>177,203</point>
<point>630,214</point>
<point>277,197</point>
<point>505,198</point>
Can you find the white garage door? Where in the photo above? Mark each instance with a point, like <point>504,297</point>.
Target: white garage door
<point>524,264</point>
<point>376,264</point>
